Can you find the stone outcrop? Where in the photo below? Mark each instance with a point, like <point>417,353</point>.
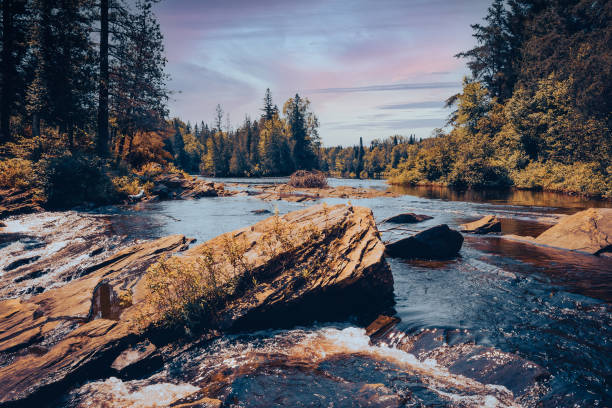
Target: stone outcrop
<point>177,186</point>
<point>434,243</point>
<point>288,193</point>
<point>58,334</point>
<point>588,231</point>
<point>407,218</point>
<point>88,327</point>
<point>485,225</point>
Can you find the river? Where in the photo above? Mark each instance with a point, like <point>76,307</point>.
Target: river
<point>547,306</point>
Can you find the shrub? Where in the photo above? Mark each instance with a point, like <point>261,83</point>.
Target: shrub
<point>580,178</point>
<point>17,173</point>
<point>189,291</point>
<point>129,185</point>
<point>478,173</point>
<point>71,180</point>
<point>308,179</point>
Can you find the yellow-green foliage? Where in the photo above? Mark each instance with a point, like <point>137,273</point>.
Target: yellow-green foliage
<point>17,173</point>
<point>537,139</point>
<point>131,185</point>
<point>579,178</point>
<point>189,291</point>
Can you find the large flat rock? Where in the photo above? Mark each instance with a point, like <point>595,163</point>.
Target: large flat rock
<point>588,231</point>
<point>89,329</point>
<point>62,332</point>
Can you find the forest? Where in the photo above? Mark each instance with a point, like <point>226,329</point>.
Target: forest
<point>84,92</point>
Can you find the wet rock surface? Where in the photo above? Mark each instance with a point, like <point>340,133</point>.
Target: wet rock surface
<point>47,250</point>
<point>86,328</point>
<point>434,243</point>
<point>455,350</point>
<point>485,225</point>
<point>59,335</point>
<point>588,231</point>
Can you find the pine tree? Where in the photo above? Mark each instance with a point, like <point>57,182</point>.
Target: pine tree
<point>301,124</point>
<point>218,118</point>
<point>103,83</point>
<point>12,85</point>
<point>269,108</point>
<point>138,91</point>
<point>491,61</point>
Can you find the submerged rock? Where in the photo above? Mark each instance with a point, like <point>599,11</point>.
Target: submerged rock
<point>455,350</point>
<point>407,218</point>
<point>588,231</point>
<point>485,225</point>
<point>434,243</point>
<point>333,267</point>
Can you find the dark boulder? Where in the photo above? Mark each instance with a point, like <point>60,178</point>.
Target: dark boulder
<point>434,243</point>
<point>407,218</point>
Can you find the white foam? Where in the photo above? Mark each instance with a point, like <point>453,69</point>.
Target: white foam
<point>115,393</point>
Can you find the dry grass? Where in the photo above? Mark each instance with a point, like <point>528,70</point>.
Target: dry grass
<point>190,291</point>
<point>308,179</point>
<point>17,173</point>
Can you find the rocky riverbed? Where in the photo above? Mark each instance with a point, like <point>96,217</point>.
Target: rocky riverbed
<point>496,323</point>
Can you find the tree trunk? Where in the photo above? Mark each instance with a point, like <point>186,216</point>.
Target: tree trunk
<point>102,142</point>
<point>35,125</point>
<point>7,70</point>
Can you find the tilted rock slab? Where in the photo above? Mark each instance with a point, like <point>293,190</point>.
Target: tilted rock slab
<point>76,332</point>
<point>485,225</point>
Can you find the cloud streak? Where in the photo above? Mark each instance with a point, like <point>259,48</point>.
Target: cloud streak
<point>389,87</point>
<point>413,105</point>
<point>353,60</point>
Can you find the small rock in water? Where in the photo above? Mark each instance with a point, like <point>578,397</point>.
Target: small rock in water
<point>434,243</point>
<point>261,211</point>
<point>488,223</point>
<point>381,325</point>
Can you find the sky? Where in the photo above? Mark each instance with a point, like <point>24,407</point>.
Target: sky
<point>371,69</point>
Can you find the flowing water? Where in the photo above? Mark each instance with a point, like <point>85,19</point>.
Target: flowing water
<point>549,310</point>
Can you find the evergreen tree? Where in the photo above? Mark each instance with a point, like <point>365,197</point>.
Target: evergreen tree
<point>138,82</point>
<point>12,81</point>
<point>491,61</point>
<point>269,108</point>
<point>301,125</point>
<point>103,82</point>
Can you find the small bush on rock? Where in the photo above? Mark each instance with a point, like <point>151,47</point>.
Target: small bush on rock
<point>308,179</point>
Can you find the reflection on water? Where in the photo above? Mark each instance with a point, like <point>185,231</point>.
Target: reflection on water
<point>565,203</point>
<point>548,306</point>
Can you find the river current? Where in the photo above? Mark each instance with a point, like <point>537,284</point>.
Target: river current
<point>545,306</point>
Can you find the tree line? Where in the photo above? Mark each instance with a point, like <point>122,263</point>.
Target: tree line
<point>87,74</point>
<point>275,144</point>
<point>536,110</point>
